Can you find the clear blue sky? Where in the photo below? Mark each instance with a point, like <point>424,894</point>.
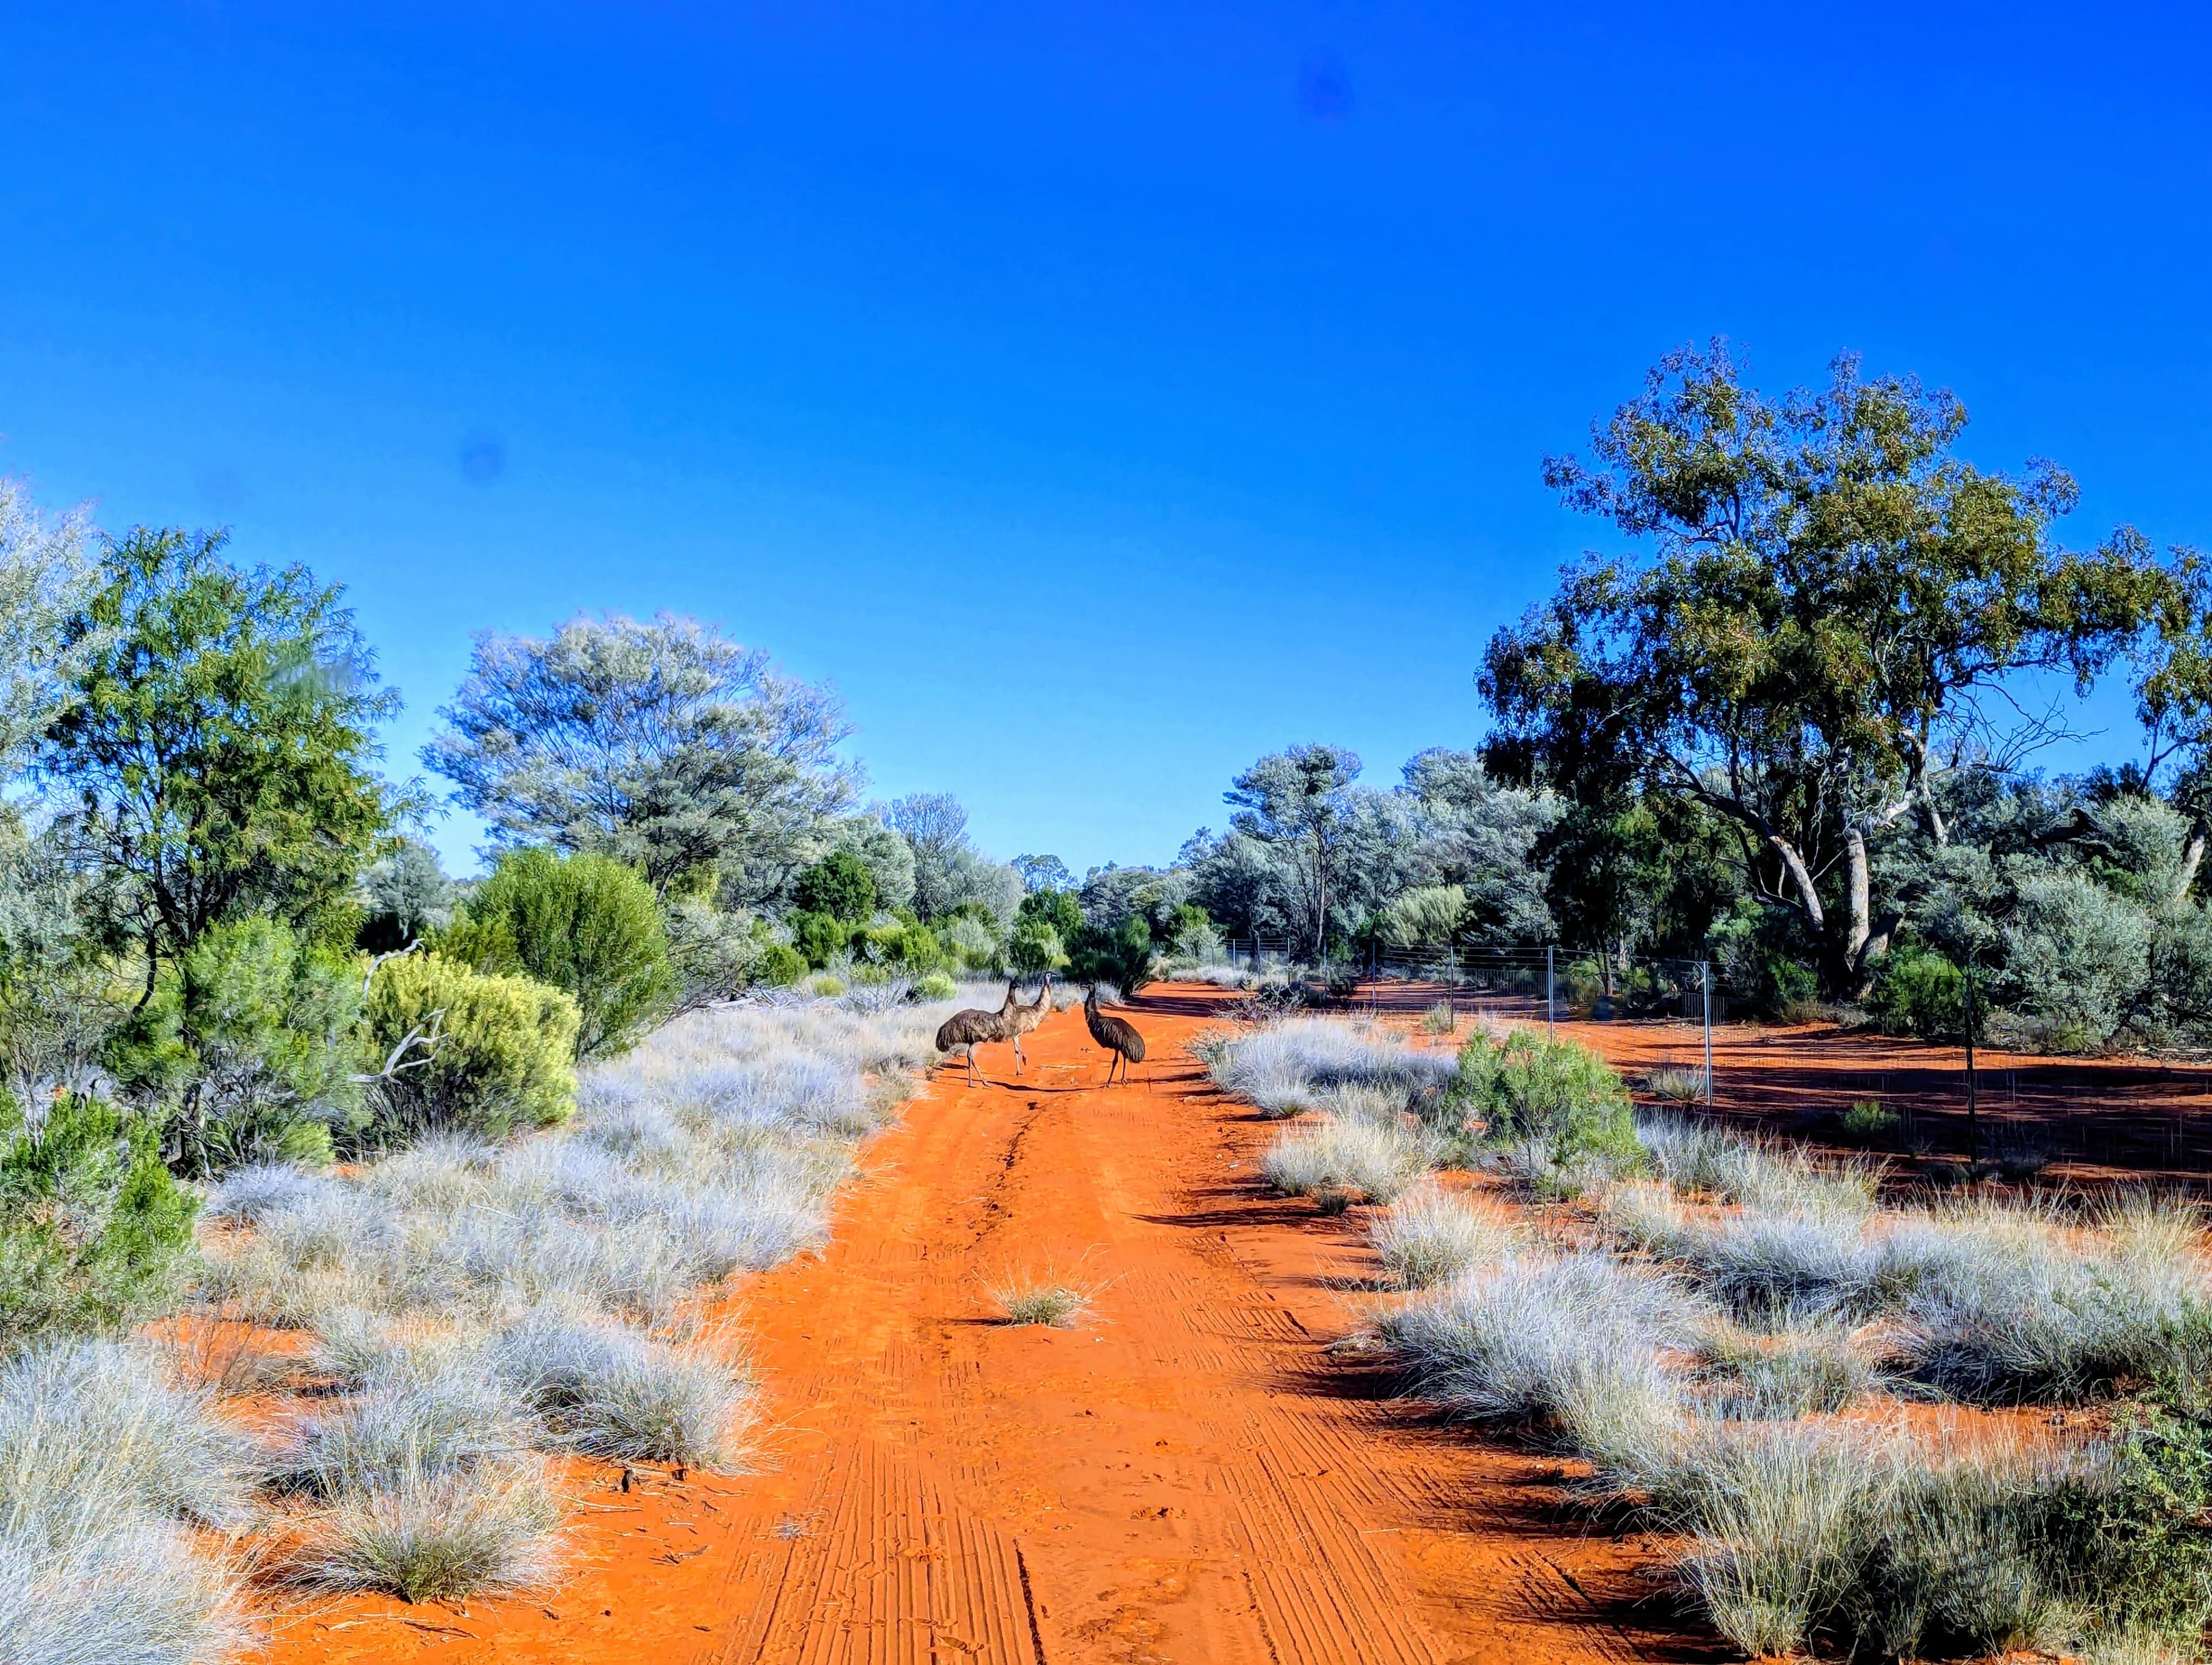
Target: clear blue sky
<point>1101,395</point>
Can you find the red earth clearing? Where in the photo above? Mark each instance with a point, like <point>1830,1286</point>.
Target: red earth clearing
<point>1188,1473</point>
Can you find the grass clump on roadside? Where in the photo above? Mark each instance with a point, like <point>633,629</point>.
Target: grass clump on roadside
<point>429,1536</point>
<point>110,1477</point>
<point>1442,1018</point>
<point>1057,1304</point>
<point>1285,1068</point>
<point>1429,1237</point>
<point>1676,1085</point>
<point>1375,1159</point>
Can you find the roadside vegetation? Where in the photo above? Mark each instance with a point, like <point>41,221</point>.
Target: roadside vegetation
<point>1817,1392</point>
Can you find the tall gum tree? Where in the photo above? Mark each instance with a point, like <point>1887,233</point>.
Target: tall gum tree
<point>1829,603</point>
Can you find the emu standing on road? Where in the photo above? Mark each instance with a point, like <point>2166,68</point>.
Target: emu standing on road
<point>1024,1018</point>
<point>972,1027</point>
<point>1117,1037</point>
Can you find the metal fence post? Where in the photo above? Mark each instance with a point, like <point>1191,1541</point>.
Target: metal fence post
<point>1705,980</point>
<point>1551,1022</point>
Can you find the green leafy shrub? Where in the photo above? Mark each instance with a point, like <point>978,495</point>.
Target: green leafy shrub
<point>839,885</point>
<point>935,986</point>
<point>1526,1087</point>
<point>248,1046</point>
<point>2079,957</point>
<point>819,937</point>
<point>503,1059</point>
<point>1919,992</point>
<point>972,944</point>
<point>1035,947</point>
<point>583,924</point>
<point>714,954</point>
<point>1059,911</point>
<point>781,965</point>
<point>94,1232</point>
<point>904,946</point>
<point>1122,957</point>
<point>1868,1122</point>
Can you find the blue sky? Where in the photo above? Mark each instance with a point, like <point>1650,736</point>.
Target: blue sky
<point>1099,396</point>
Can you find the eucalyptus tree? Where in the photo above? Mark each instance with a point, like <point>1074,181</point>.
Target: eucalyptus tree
<point>216,753</point>
<point>1832,598</point>
<point>1298,804</point>
<point>665,745</point>
<point>45,566</point>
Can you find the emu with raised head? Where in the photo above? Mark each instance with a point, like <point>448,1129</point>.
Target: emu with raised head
<point>1118,1038</point>
<point>1024,1018</point>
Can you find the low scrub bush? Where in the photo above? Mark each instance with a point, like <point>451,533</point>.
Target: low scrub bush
<point>1374,1159</point>
<point>1021,1299</point>
<point>1567,1348</point>
<point>95,1233</point>
<point>247,1048</point>
<point>1799,1373</point>
<point>1868,1122</point>
<point>606,1390</point>
<point>1282,1068</point>
<point>1919,992</point>
<point>1525,1086</point>
<point>1429,1237</point>
<point>435,1537</point>
<point>1440,1019</point>
<point>583,924</point>
<point>501,1060</point>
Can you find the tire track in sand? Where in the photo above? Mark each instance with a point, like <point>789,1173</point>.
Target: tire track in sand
<point>1187,1476</point>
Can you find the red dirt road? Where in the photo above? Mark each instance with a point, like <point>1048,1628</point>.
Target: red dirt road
<point>1186,1475</point>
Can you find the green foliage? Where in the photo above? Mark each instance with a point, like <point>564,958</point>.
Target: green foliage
<point>2140,1541</point>
<point>1830,583</point>
<point>819,937</point>
<point>664,745</point>
<point>1868,1122</point>
<point>95,1233</point>
<point>248,1043</point>
<point>934,985</point>
<point>907,947</point>
<point>782,965</point>
<point>2079,957</point>
<point>583,924</point>
<point>405,895</point>
<point>714,954</point>
<point>1122,956</point>
<point>972,944</point>
<point>1034,947</point>
<point>1059,911</point>
<point>1526,1087</point>
<point>1918,991</point>
<point>218,745</point>
<point>839,885</point>
<point>500,1059</point>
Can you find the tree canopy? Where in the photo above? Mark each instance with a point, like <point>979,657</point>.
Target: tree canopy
<point>1831,609</point>
<point>217,741</point>
<point>665,745</point>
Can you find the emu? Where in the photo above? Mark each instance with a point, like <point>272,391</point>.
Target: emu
<point>1024,1018</point>
<point>1117,1037</point>
<point>972,1027</point>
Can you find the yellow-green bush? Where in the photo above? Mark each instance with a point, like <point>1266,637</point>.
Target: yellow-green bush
<point>502,1059</point>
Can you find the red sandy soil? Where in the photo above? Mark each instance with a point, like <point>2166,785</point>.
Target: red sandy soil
<point>1187,1475</point>
<point>2100,1120</point>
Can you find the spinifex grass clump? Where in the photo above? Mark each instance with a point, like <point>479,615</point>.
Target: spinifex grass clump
<point>1285,1068</point>
<point>104,1468</point>
<point>1429,1237</point>
<point>1371,1157</point>
<point>481,1302</point>
<point>1442,1018</point>
<point>1676,1085</point>
<point>1058,1303</point>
